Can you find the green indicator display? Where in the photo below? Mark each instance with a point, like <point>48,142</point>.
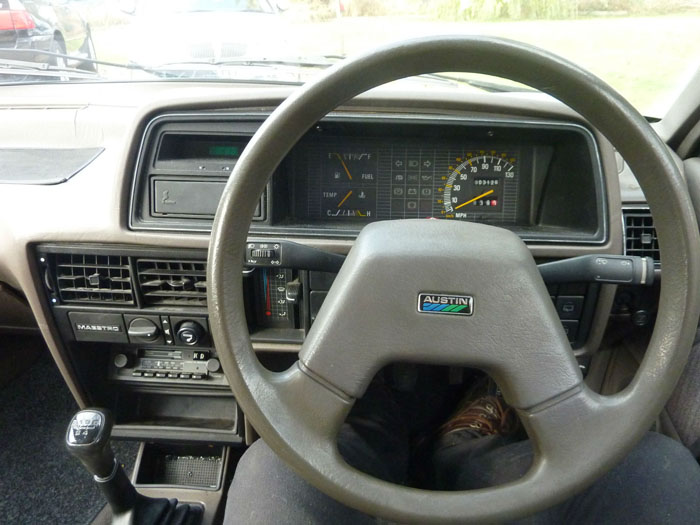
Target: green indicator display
<point>222,150</point>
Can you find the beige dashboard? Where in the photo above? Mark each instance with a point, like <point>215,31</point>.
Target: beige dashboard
<point>93,206</point>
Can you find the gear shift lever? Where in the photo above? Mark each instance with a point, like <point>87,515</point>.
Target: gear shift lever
<point>88,440</point>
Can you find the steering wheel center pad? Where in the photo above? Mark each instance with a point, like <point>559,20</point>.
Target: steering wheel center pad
<point>371,316</point>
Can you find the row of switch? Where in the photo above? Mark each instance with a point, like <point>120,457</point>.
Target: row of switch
<point>162,365</point>
<point>569,300</point>
<point>171,375</point>
<point>156,330</point>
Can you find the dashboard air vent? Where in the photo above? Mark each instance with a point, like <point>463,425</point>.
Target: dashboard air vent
<point>640,234</point>
<point>175,283</point>
<point>83,278</point>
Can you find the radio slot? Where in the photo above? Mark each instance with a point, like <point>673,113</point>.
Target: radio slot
<point>192,366</point>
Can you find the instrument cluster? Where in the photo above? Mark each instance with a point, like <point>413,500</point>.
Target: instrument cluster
<point>362,181</point>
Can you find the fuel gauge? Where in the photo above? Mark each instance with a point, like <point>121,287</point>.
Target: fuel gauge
<point>350,168</point>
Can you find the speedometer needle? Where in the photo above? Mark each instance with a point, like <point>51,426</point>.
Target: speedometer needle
<point>346,198</point>
<point>474,199</point>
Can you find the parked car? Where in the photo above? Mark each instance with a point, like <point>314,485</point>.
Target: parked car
<point>44,25</point>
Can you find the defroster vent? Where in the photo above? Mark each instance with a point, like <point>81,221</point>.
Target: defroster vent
<point>640,234</point>
<point>175,283</point>
<point>84,278</point>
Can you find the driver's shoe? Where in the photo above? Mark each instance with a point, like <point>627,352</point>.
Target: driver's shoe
<point>487,415</point>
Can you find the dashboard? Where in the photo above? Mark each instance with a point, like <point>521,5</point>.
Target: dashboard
<point>111,254</point>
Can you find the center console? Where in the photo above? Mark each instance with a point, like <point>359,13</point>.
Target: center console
<point>134,322</point>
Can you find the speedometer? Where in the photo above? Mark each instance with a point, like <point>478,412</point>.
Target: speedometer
<point>481,187</point>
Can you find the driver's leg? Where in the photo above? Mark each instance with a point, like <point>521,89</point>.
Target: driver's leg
<point>265,490</point>
<point>374,439</point>
<point>658,482</point>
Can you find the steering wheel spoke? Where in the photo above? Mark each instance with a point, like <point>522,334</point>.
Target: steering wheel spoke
<point>312,409</point>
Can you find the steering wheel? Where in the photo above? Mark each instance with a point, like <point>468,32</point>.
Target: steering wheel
<point>370,319</point>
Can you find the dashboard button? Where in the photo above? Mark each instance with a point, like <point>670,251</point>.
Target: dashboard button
<point>571,329</point>
<point>213,365</point>
<point>570,306</point>
<point>167,330</point>
<point>121,360</point>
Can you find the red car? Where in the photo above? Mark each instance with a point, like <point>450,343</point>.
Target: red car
<point>44,25</point>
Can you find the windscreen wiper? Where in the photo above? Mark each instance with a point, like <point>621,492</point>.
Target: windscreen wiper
<point>491,87</point>
<point>254,61</point>
<point>49,67</point>
<point>32,69</point>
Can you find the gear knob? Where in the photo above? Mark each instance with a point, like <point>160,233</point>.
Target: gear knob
<point>87,439</point>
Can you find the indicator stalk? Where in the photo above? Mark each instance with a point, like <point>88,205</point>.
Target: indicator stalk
<point>612,269</point>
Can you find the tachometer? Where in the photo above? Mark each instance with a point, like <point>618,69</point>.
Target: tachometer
<point>481,187</point>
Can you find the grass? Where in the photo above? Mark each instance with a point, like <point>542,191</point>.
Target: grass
<point>642,57</point>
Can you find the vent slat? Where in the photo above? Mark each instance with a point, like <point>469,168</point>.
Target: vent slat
<point>89,278</point>
<point>640,234</point>
<point>173,282</point>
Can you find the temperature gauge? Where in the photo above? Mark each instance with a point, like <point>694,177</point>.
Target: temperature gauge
<point>349,202</point>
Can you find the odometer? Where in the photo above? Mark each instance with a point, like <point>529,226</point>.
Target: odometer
<point>481,187</point>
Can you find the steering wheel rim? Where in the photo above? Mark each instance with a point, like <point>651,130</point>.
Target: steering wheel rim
<point>299,412</point>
